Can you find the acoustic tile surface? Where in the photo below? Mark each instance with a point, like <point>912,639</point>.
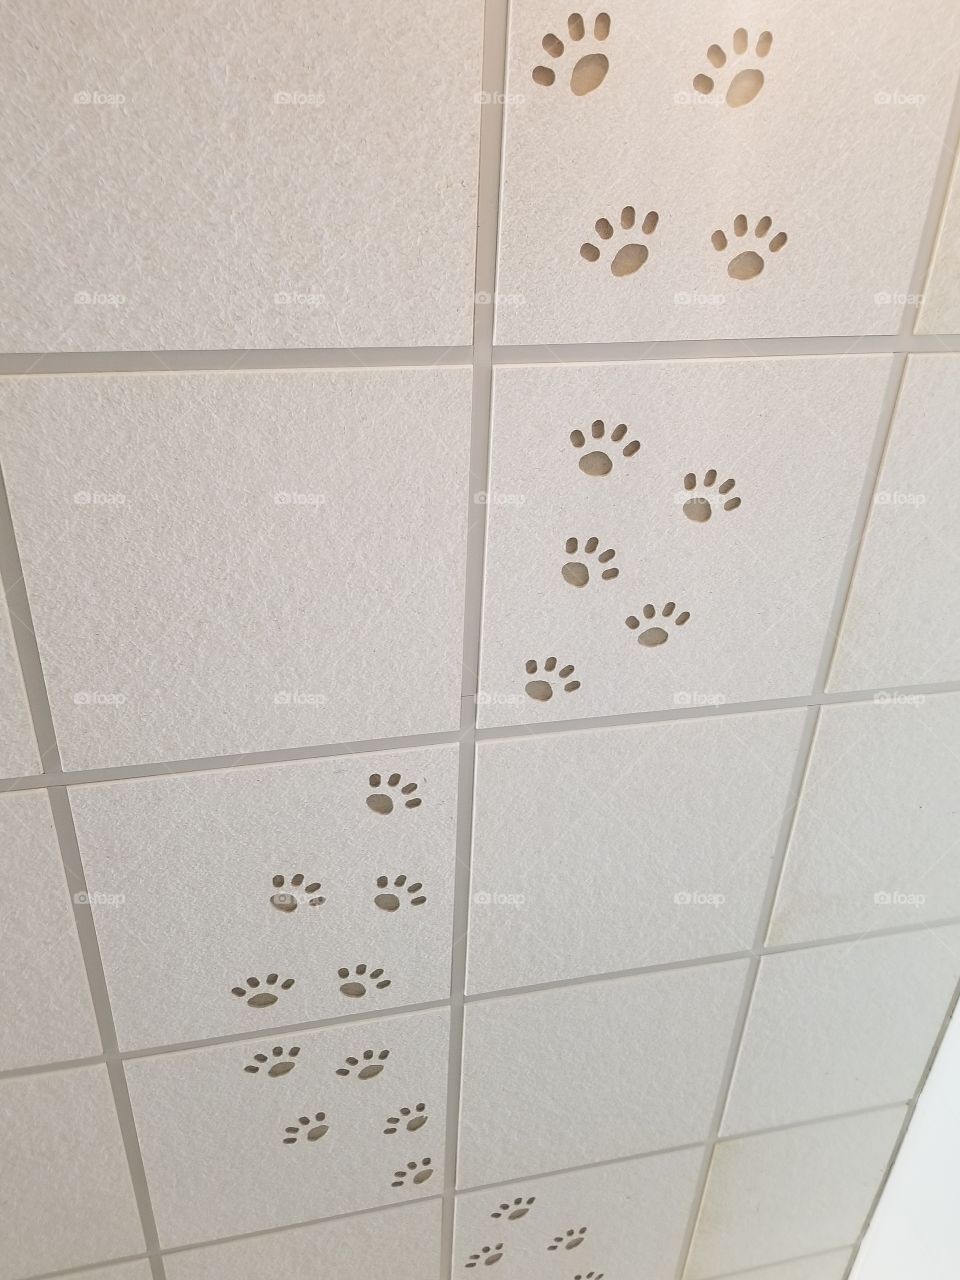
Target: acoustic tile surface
<point>940,310</point>
<point>65,1193</point>
<point>652,130</point>
<point>842,1028</point>
<point>825,1266</point>
<point>726,491</point>
<point>909,566</point>
<point>613,849</point>
<point>120,1271</point>
<point>205,885</point>
<point>357,1121</point>
<point>222,175</point>
<point>50,1018</point>
<point>615,1068</point>
<point>626,1218</point>
<point>18,747</point>
<point>401,1243</point>
<point>202,569</point>
<point>890,858</point>
<point>802,1190</point>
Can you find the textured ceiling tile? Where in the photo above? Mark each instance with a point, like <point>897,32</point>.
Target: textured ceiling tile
<point>185,874</point>
<point>235,175</point>
<point>842,1028</point>
<point>18,747</point>
<point>65,1194</point>
<point>940,312</point>
<point>826,1266</point>
<point>889,858</point>
<point>401,1243</point>
<point>233,1144</point>
<point>203,570</point>
<point>50,1018</point>
<point>624,1219</point>
<point>560,1078</point>
<point>802,1190</point>
<point>854,98</point>
<point>121,1271</point>
<point>902,624</point>
<point>617,848</point>
<point>739,571</point>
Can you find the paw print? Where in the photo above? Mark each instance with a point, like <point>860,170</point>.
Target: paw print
<point>387,900</point>
<point>542,690</point>
<point>519,1208</point>
<point>598,462</point>
<point>411,1118</point>
<point>654,636</point>
<point>281,1061</point>
<point>576,572</point>
<point>366,1067</point>
<point>380,802</point>
<point>590,1275</point>
<point>416,1172</point>
<point>748,82</point>
<point>288,898</point>
<point>698,508</point>
<point>590,69</point>
<point>306,1127</point>
<point>631,256</point>
<point>748,264</point>
<point>488,1255</point>
<point>569,1240</point>
<point>258,997</point>
<point>357,985</point>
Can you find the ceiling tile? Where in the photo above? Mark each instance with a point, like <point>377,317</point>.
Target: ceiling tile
<point>825,1266</point>
<point>18,747</point>
<point>940,312</point>
<point>119,1271</point>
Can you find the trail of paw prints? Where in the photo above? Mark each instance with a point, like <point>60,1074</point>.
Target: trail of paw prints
<point>577,572</point>
<point>260,996</point>
<point>390,897</point>
<point>382,802</point>
<point>287,897</point>
<point>279,1062</point>
<point>542,690</point>
<point>518,1208</point>
<point>652,636</point>
<point>699,506</point>
<point>748,263</point>
<point>631,256</point>
<point>486,1257</point>
<point>367,1067</point>
<point>357,982</point>
<point>414,1173</point>
<point>598,461</point>
<point>590,69</point>
<point>309,1128</point>
<point>571,1239</point>
<point>746,83</point>
<point>411,1118</point>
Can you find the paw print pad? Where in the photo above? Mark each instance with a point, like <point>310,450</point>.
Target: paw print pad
<point>631,256</point>
<point>652,636</point>
<point>598,462</point>
<point>542,690</point>
<point>749,263</point>
<point>590,69</point>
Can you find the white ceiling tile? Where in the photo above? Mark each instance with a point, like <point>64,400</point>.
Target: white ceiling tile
<point>940,311</point>
<point>825,1266</point>
<point>193,545</point>
<point>617,848</point>
<point>624,1219</point>
<point>119,1271</point>
<point>51,1018</point>
<point>909,565</point>
<point>182,871</point>
<point>889,857</point>
<point>229,1150</point>
<point>644,140</point>
<point>758,580</point>
<point>775,1196</point>
<point>402,1243</point>
<point>222,176</point>
<point>559,1078</point>
<point>842,1028</point>
<point>65,1193</point>
<point>18,747</point>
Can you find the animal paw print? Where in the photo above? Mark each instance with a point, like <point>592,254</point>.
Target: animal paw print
<point>411,1118</point>
<point>488,1255</point>
<point>358,985</point>
<point>569,1240</point>
<point>281,1061</point>
<point>288,899</point>
<point>380,802</point>
<point>629,257</point>
<point>577,573</point>
<point>590,1275</point>
<point>416,1172</point>
<point>258,997</point>
<point>748,264</point>
<point>306,1127</point>
<point>748,82</point>
<point>390,901</point>
<point>542,690</point>
<point>367,1066</point>
<point>653,636</point>
<point>590,70</point>
<point>518,1209</point>
<point>699,508</point>
<point>598,462</point>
